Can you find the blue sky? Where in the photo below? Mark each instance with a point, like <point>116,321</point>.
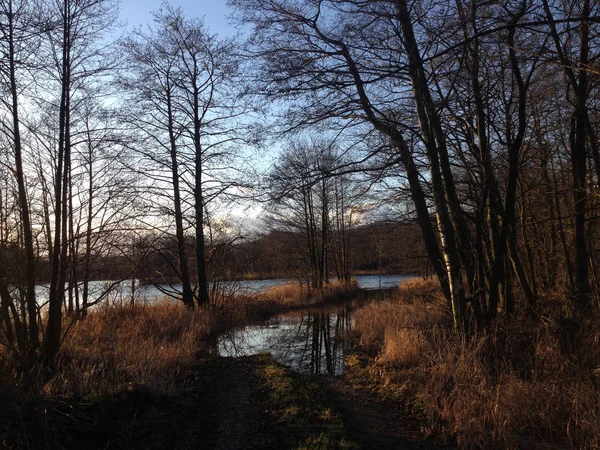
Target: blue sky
<point>215,12</point>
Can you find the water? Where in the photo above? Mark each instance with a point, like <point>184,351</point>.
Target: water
<point>151,293</point>
<point>111,291</point>
<point>121,292</point>
<point>380,281</point>
<point>310,343</point>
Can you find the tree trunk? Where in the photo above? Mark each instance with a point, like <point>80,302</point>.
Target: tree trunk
<point>30,271</point>
<point>202,279</point>
<point>187,292</point>
<point>57,282</point>
<point>452,228</point>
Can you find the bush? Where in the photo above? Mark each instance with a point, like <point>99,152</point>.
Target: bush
<point>524,383</point>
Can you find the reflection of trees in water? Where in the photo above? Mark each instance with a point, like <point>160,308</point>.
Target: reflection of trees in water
<point>328,339</point>
<point>316,344</point>
<point>312,344</point>
<point>249,340</point>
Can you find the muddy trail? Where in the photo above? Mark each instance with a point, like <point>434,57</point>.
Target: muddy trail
<point>234,414</point>
<point>230,415</point>
<point>370,420</point>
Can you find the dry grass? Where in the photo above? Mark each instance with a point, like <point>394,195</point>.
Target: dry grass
<point>524,384</point>
<point>122,377</point>
<point>291,294</point>
<point>301,295</point>
<point>155,346</point>
<point>116,347</point>
<point>242,309</point>
<point>379,322</point>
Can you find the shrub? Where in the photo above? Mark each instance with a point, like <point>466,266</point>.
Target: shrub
<point>524,383</point>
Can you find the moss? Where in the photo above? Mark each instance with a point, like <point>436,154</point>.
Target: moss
<point>300,406</point>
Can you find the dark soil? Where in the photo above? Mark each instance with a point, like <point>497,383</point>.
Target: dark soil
<point>371,420</point>
<point>232,416</point>
<point>229,415</point>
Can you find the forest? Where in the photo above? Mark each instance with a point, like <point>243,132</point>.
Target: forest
<point>452,144</point>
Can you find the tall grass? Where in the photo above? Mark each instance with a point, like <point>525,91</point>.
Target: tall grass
<point>119,346</point>
<point>247,308</point>
<point>525,383</point>
<point>115,347</point>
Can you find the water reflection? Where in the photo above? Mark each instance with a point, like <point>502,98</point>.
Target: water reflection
<point>311,343</point>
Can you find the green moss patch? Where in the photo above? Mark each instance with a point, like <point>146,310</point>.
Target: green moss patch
<point>299,405</point>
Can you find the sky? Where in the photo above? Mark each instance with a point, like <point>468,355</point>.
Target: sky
<point>214,12</point>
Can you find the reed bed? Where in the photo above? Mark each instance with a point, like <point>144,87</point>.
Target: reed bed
<point>525,383</point>
<point>115,347</point>
<point>242,309</point>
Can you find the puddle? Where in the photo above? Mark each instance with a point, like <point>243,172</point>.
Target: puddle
<point>309,343</point>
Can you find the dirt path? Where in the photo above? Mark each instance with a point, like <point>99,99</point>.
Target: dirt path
<point>230,417</point>
<point>372,421</point>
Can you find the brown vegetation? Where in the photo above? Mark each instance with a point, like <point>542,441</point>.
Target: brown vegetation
<point>243,309</point>
<point>119,379</point>
<point>155,345</point>
<point>529,382</point>
<point>116,346</point>
<point>124,369</point>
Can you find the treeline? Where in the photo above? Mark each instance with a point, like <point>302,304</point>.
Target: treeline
<point>387,247</point>
<point>476,121</point>
<point>382,247</point>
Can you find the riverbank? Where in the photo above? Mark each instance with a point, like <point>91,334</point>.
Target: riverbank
<point>126,374</point>
<point>528,382</point>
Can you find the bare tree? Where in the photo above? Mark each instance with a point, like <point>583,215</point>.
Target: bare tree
<point>75,47</point>
<point>310,199</point>
<point>19,39</point>
<point>181,79</point>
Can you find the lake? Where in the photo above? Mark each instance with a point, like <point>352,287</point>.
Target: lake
<point>121,292</point>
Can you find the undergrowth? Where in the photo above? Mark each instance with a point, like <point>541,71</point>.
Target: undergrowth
<point>525,383</point>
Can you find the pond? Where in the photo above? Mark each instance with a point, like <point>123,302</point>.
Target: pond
<point>309,342</point>
<point>312,342</point>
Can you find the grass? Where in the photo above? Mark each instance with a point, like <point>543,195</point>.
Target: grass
<point>119,346</point>
<point>122,377</point>
<point>526,383</point>
<point>242,309</point>
<point>124,372</point>
<point>300,406</point>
